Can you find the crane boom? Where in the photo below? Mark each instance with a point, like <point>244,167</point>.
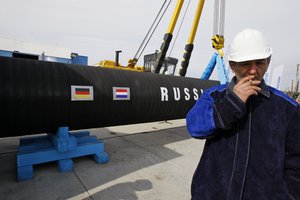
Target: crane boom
<point>189,47</point>
<point>168,36</point>
<point>164,7</point>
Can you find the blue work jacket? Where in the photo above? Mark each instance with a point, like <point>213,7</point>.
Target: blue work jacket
<point>252,150</point>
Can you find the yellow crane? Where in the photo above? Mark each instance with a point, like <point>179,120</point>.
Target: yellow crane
<point>158,62</point>
<point>169,63</point>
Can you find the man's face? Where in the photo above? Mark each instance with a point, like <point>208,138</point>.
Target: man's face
<point>257,68</point>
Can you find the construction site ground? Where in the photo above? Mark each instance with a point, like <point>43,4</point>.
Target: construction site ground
<point>150,161</point>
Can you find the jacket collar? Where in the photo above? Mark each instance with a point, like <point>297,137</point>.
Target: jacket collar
<point>264,88</point>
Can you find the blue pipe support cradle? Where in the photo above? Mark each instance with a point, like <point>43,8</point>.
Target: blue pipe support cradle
<point>60,147</point>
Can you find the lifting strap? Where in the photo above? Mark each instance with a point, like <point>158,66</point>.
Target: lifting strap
<point>216,60</point>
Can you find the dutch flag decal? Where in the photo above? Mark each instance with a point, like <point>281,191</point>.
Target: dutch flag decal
<point>121,93</point>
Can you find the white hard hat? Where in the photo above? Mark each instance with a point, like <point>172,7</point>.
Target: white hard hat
<point>249,44</point>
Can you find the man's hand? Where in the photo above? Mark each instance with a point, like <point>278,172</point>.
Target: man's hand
<point>246,87</point>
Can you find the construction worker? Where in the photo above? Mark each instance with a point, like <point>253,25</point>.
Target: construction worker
<point>252,132</point>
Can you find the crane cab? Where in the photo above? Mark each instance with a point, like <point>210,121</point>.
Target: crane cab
<point>168,67</point>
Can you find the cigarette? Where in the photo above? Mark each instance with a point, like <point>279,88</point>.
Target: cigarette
<point>250,82</point>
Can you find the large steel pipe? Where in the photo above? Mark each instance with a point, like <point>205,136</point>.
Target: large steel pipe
<point>38,96</point>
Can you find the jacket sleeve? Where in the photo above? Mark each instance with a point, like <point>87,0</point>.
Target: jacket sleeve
<point>212,112</point>
<point>292,159</point>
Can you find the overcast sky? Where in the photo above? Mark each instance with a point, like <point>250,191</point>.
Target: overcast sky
<point>96,28</point>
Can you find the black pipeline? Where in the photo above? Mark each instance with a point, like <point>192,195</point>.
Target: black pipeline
<point>38,96</point>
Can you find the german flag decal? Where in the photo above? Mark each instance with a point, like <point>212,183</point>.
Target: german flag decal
<point>82,93</point>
